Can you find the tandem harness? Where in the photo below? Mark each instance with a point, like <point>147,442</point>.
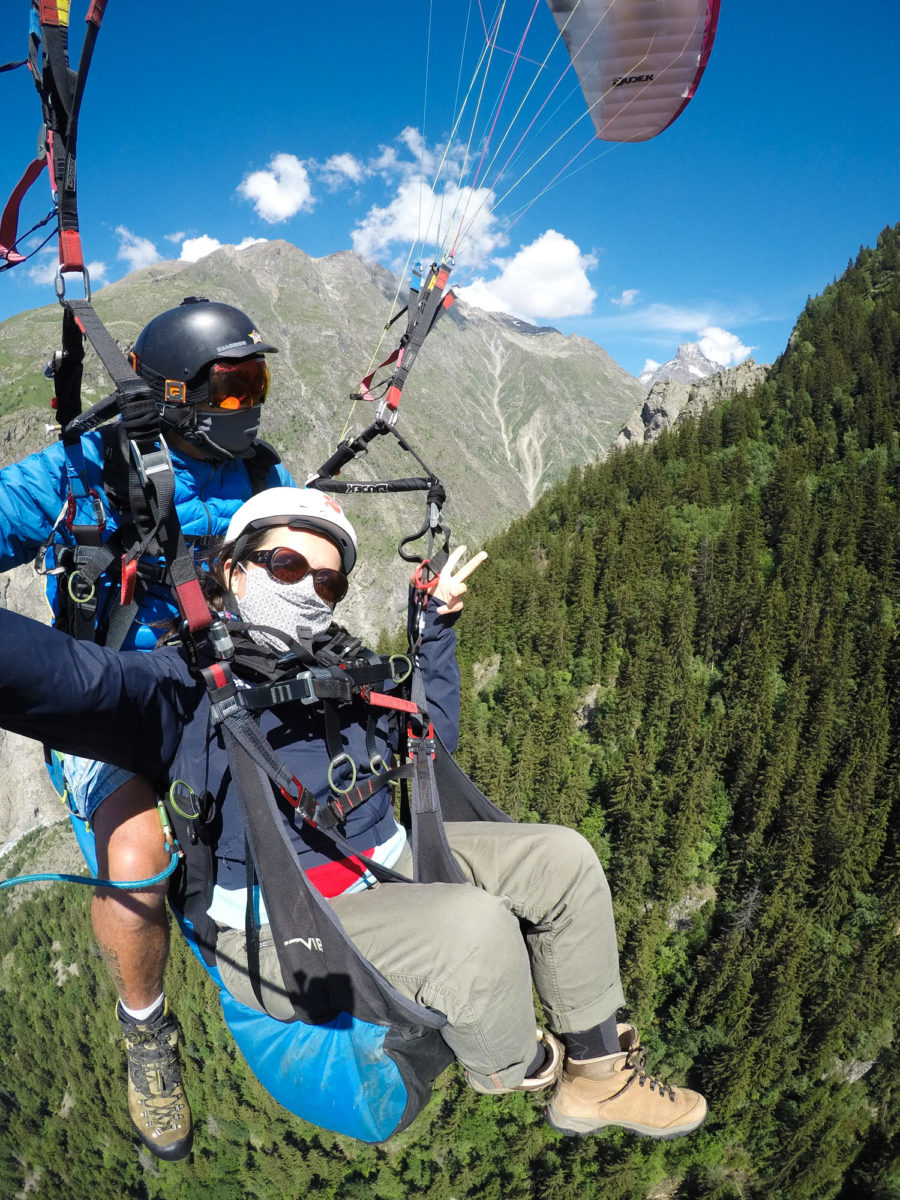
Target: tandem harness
<point>102,577</point>
<point>328,980</point>
<point>337,671</point>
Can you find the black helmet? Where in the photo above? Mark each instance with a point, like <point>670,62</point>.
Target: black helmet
<point>179,344</point>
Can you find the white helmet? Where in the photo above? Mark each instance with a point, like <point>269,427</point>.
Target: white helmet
<point>298,508</point>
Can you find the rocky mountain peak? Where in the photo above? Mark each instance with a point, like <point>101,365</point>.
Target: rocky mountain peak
<point>689,365</point>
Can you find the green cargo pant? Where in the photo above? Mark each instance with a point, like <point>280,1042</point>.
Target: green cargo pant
<point>539,912</point>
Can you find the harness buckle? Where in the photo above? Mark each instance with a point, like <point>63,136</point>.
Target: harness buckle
<point>153,463</point>
<point>285,692</point>
<point>304,801</point>
<point>425,740</point>
<point>309,681</point>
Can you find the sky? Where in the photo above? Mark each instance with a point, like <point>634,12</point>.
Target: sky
<point>205,125</point>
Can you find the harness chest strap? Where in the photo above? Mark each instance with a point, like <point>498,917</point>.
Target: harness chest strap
<point>227,711</point>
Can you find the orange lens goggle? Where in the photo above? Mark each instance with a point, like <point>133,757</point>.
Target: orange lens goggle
<point>240,384</point>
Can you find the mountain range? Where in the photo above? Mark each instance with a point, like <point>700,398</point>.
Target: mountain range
<point>671,400</point>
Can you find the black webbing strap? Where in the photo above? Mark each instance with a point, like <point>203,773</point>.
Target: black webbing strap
<point>130,387</point>
<point>227,712</point>
<point>61,91</point>
<point>324,972</point>
<point>433,859</point>
<point>68,368</point>
<point>151,484</point>
<point>251,923</point>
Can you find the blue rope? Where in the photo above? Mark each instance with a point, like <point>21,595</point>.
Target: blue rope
<point>125,885</point>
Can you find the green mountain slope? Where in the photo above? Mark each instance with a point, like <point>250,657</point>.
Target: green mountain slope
<point>689,653</point>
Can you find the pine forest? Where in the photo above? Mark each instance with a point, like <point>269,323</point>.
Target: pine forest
<point>688,653</point>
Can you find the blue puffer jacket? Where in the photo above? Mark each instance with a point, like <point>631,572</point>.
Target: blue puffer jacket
<point>34,491</point>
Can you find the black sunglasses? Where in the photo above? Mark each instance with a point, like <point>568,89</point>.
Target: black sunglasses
<point>289,566</point>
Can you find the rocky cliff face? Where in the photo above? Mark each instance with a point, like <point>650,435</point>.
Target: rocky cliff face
<point>673,401</point>
<point>498,408</point>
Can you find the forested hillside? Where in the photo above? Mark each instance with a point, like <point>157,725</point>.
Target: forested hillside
<point>689,653</point>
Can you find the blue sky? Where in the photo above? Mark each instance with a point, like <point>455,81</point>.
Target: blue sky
<point>205,124</point>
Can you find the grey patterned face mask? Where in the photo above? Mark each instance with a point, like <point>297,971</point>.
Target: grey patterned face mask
<point>225,435</point>
<point>294,607</point>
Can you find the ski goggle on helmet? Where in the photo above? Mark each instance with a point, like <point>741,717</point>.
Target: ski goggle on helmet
<point>240,384</point>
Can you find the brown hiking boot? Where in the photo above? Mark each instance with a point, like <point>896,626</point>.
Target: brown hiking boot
<point>545,1077</point>
<point>157,1102</point>
<point>615,1090</point>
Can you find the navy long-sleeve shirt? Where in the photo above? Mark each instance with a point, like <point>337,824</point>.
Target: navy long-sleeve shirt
<point>147,714</point>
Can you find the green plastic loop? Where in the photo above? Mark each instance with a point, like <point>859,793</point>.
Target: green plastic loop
<point>181,783</point>
<point>80,599</point>
<point>403,659</point>
<point>342,791</point>
<point>377,765</point>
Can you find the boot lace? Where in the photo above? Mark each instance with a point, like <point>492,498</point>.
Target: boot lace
<point>636,1062</point>
<point>156,1074</point>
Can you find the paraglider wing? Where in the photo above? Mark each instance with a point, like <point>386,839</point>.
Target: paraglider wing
<point>638,61</point>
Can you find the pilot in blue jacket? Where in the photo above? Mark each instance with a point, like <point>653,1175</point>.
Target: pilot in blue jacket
<point>205,365</point>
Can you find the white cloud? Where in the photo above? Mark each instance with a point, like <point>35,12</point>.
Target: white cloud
<point>281,191</point>
<point>397,221</point>
<point>340,169</point>
<point>97,272</point>
<point>430,164</point>
<point>627,299</point>
<point>544,280</point>
<point>43,269</point>
<point>650,366</point>
<point>136,251</point>
<point>195,248</point>
<point>198,247</point>
<point>722,347</point>
<point>683,322</point>
<point>415,214</point>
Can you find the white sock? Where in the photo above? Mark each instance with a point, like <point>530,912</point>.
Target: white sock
<point>141,1014</point>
